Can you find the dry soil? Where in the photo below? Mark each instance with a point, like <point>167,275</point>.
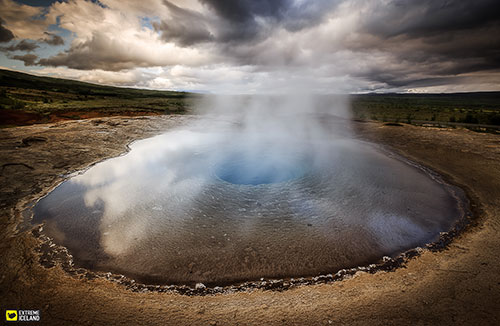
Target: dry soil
<point>456,286</point>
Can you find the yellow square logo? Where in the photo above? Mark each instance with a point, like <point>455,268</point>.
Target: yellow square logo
<point>11,315</point>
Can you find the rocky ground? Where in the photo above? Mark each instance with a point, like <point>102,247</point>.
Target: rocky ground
<point>459,285</point>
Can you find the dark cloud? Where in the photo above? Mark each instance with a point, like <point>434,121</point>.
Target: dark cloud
<point>393,43</point>
<point>431,41</point>
<point>53,39</point>
<point>239,21</point>
<point>5,34</point>
<point>28,59</point>
<point>186,27</point>
<point>23,45</point>
<point>308,13</point>
<point>422,41</point>
<point>293,15</point>
<point>247,10</point>
<point>428,17</point>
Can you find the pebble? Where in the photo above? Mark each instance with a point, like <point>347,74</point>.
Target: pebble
<point>200,286</point>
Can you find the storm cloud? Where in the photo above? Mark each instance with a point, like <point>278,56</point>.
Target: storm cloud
<point>5,34</point>
<point>186,27</point>
<point>346,45</point>
<point>53,39</point>
<point>434,40</point>
<point>240,21</point>
<point>23,45</point>
<point>27,59</point>
<point>429,17</point>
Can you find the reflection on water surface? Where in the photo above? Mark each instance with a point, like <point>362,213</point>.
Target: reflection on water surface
<point>188,206</point>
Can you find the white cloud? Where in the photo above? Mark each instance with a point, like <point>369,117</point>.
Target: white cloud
<point>122,78</point>
<point>22,20</point>
<point>197,45</point>
<point>113,40</point>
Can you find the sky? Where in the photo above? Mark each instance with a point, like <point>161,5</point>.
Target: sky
<point>258,46</point>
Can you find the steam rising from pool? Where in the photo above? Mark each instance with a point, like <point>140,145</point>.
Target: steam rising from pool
<point>261,186</point>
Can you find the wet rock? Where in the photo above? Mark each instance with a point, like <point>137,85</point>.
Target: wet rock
<point>32,140</point>
<point>60,164</point>
<point>97,121</point>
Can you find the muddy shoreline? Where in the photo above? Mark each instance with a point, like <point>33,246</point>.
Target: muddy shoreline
<point>32,168</point>
<point>52,254</point>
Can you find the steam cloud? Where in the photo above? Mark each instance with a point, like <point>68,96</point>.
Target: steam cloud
<point>229,195</point>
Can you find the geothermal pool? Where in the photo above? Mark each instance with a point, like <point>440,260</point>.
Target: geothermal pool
<point>193,205</point>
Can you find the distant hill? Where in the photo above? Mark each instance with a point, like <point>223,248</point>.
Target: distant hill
<point>470,108</point>
<point>26,99</point>
<point>16,79</point>
<point>484,100</point>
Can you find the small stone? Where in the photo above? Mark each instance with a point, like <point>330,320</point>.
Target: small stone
<point>386,259</point>
<point>200,286</point>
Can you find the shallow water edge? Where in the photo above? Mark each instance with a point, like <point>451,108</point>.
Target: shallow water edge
<point>52,254</point>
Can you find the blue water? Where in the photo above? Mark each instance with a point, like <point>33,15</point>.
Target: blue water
<point>189,206</point>
<point>257,169</point>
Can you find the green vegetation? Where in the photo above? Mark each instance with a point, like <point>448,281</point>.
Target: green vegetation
<point>45,97</point>
<point>26,99</point>
<point>472,108</point>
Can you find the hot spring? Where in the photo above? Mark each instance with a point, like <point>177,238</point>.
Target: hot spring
<point>217,202</point>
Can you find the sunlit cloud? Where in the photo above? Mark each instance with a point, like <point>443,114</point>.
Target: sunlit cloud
<point>250,46</point>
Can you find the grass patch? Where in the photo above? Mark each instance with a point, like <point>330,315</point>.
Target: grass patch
<point>471,108</point>
<point>48,97</point>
